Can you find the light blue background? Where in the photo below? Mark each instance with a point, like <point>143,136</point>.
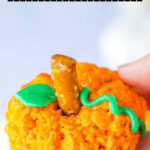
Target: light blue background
<point>30,33</point>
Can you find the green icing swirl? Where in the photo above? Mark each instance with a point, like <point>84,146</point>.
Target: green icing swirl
<point>116,110</point>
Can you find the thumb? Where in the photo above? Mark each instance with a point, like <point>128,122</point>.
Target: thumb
<point>137,74</point>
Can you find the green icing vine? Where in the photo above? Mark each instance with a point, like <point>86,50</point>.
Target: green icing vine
<point>116,110</point>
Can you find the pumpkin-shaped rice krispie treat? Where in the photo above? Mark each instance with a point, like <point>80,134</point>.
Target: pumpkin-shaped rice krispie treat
<point>78,107</point>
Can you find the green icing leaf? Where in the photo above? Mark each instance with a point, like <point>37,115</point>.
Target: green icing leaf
<point>36,95</point>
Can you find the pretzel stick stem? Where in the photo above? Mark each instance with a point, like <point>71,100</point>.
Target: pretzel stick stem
<point>65,82</point>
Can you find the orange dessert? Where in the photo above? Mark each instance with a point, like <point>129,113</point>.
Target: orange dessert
<point>65,124</point>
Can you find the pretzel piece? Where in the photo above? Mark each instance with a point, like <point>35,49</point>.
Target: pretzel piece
<point>65,82</point>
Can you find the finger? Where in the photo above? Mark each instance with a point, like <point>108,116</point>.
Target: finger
<point>65,82</point>
<point>137,74</point>
<point>144,143</point>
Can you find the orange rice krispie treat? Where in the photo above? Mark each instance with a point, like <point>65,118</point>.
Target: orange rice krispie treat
<point>111,118</point>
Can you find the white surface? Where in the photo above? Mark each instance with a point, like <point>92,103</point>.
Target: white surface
<point>4,143</point>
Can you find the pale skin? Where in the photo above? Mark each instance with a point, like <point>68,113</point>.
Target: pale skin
<point>137,75</point>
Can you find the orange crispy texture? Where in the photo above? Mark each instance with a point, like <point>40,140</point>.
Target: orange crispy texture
<point>93,128</point>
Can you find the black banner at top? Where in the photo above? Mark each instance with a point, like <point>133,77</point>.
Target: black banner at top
<point>74,0</point>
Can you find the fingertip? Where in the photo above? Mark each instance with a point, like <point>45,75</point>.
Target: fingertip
<point>126,73</point>
<point>137,73</point>
<point>144,143</point>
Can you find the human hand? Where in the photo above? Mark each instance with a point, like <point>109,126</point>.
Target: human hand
<point>137,74</point>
